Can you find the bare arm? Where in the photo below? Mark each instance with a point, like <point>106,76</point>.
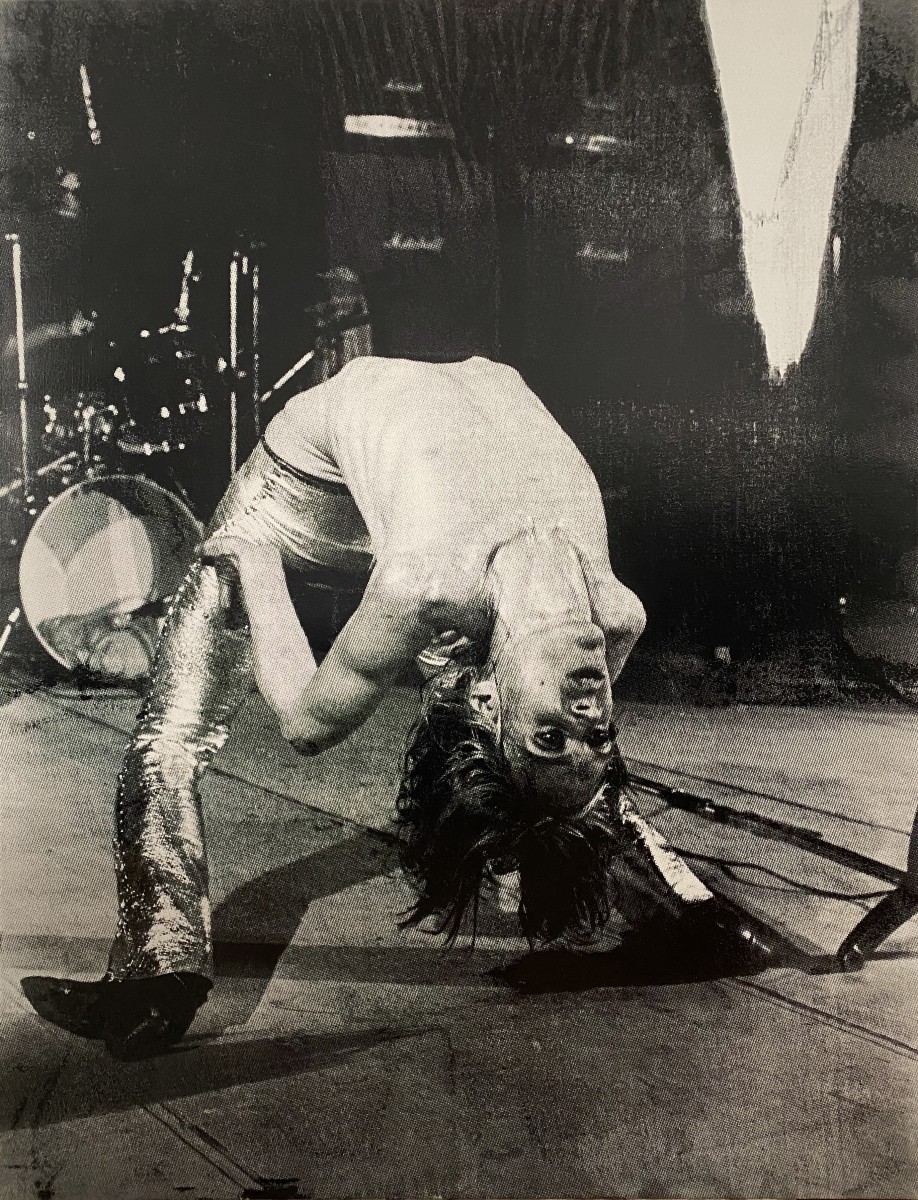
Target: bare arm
<point>616,609</point>
<point>284,661</point>
<point>381,639</point>
<point>320,706</point>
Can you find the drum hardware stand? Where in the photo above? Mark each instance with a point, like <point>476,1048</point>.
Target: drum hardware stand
<point>244,362</point>
<point>11,622</point>
<point>18,650</point>
<point>256,347</point>
<point>183,306</point>
<point>95,133</point>
<point>350,315</point>
<point>235,264</point>
<point>22,385</point>
<point>22,486</point>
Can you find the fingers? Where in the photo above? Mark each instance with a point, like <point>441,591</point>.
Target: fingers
<point>242,568</point>
<point>227,593</point>
<point>225,566</point>
<point>223,546</point>
<point>226,545</point>
<point>223,557</point>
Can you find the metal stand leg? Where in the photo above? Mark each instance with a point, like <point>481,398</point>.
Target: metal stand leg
<point>11,622</point>
<point>879,924</point>
<point>886,917</point>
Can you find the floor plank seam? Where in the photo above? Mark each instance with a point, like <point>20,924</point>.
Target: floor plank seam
<point>862,1032</point>
<point>205,1146</point>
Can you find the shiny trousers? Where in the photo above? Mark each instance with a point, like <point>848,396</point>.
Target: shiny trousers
<point>202,673</point>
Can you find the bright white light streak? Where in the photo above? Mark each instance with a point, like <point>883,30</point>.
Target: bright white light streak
<point>382,125</point>
<point>786,71</point>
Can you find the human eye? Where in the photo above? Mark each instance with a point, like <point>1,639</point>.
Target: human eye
<point>601,739</point>
<point>550,739</point>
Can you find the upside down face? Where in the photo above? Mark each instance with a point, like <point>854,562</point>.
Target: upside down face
<point>550,701</point>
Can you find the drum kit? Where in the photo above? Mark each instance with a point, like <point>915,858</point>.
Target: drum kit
<point>107,523</point>
<point>104,534</point>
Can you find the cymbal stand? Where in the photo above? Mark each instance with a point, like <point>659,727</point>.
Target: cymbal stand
<point>24,483</point>
<point>256,347</point>
<point>22,384</point>
<point>235,263</point>
<point>63,463</point>
<point>244,359</point>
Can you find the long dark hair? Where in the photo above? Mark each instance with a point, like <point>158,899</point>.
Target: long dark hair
<point>463,821</point>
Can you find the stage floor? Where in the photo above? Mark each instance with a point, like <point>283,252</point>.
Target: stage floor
<point>340,1057</point>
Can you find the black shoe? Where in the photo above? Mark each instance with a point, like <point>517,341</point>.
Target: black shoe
<point>136,1018</point>
<point>712,939</point>
<point>728,939</point>
<point>72,1005</point>
<point>879,924</point>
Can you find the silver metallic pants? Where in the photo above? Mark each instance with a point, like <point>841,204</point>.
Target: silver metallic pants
<point>202,673</point>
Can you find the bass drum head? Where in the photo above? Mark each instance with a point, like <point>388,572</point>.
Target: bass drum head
<point>98,569</point>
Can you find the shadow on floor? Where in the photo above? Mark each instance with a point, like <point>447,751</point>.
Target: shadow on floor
<point>254,926</point>
<point>271,906</point>
<point>418,966</point>
<point>660,953</point>
<point>89,1083</point>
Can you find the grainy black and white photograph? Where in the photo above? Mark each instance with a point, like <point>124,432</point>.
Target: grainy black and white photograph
<point>458,599</point>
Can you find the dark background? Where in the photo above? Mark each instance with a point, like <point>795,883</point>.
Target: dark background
<point>738,510</point>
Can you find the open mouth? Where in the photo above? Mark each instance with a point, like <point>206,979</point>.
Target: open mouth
<point>586,675</point>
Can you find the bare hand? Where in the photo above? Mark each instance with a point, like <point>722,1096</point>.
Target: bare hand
<point>221,546</point>
<point>236,550</point>
<point>252,563</point>
<point>231,557</point>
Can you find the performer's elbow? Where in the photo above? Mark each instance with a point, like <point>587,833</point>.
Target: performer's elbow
<point>304,745</point>
<point>308,737</point>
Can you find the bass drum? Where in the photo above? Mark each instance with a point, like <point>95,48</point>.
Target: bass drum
<point>98,570</point>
